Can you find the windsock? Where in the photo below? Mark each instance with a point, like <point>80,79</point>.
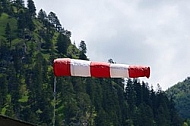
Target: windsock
<point>84,68</point>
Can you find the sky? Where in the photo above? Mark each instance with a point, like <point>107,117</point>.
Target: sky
<point>154,33</point>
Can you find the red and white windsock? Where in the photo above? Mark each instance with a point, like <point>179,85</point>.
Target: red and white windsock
<point>83,68</point>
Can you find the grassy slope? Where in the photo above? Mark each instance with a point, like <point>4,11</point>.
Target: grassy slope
<point>4,19</point>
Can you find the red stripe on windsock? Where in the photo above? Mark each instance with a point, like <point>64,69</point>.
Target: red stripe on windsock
<point>61,67</point>
<point>139,71</point>
<point>100,69</point>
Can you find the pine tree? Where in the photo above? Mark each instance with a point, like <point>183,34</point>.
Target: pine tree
<point>13,90</point>
<point>130,94</point>
<point>19,2</point>
<point>8,33</point>
<point>53,19</point>
<point>3,6</point>
<point>83,50</point>
<point>3,90</point>
<point>31,8</point>
<point>62,44</point>
<point>139,93</point>
<point>42,16</point>
<point>146,93</point>
<point>175,118</point>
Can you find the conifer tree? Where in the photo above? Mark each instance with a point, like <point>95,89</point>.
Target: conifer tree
<point>31,8</point>
<point>3,90</point>
<point>3,6</point>
<point>19,2</point>
<point>83,50</point>
<point>53,19</point>
<point>130,94</point>
<point>8,33</point>
<point>62,44</point>
<point>42,16</point>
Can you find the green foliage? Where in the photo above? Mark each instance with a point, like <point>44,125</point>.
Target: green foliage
<point>181,97</point>
<point>186,122</point>
<point>62,43</point>
<point>147,107</point>
<point>26,79</point>
<point>83,50</point>
<point>4,20</point>
<point>42,15</point>
<point>31,8</point>
<point>72,51</point>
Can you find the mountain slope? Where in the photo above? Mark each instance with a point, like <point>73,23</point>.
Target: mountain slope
<point>181,96</point>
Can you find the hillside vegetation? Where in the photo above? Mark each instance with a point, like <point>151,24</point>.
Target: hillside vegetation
<point>29,43</point>
<point>180,93</point>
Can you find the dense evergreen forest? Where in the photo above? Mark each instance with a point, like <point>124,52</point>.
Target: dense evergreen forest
<point>180,93</point>
<point>29,42</point>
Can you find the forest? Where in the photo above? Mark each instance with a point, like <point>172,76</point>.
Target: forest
<point>29,42</point>
<point>180,93</point>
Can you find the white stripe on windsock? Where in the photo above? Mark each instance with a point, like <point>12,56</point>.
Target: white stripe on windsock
<point>80,68</point>
<point>119,70</point>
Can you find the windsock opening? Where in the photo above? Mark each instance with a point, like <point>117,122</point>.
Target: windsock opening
<point>139,71</point>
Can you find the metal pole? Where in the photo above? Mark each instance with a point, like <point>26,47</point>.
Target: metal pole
<point>54,100</point>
